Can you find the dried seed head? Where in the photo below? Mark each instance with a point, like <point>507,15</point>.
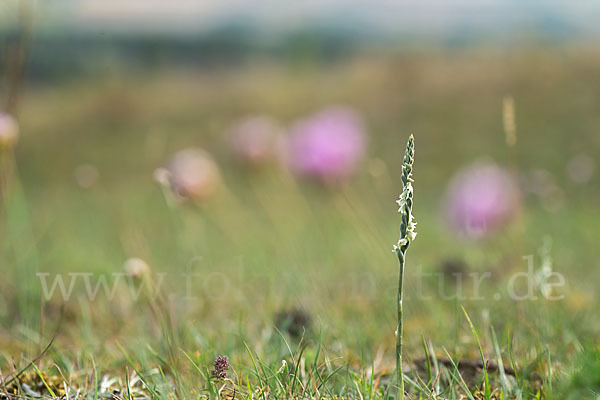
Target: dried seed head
<point>508,118</point>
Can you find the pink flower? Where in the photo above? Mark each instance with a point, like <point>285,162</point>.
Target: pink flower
<point>255,140</point>
<point>481,199</point>
<point>9,132</point>
<point>328,146</point>
<point>191,174</point>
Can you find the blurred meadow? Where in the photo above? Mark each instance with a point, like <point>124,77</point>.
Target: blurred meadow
<point>271,263</point>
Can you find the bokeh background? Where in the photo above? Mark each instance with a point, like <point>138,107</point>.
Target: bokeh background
<point>302,112</point>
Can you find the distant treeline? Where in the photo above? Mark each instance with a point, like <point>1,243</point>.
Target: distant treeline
<point>70,54</point>
<point>57,56</point>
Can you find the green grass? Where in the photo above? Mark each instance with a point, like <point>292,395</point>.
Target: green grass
<point>269,243</point>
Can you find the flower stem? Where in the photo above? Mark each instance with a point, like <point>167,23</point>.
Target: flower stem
<point>407,235</point>
<point>399,378</point>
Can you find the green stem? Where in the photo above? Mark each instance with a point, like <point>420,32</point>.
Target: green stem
<point>407,234</point>
<point>399,377</point>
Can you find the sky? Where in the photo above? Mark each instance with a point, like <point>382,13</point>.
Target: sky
<point>383,16</point>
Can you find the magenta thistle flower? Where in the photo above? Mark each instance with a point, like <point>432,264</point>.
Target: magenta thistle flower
<point>220,368</point>
<point>328,146</point>
<point>480,200</point>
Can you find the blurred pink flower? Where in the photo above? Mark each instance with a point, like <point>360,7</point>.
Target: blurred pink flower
<point>9,132</point>
<point>255,140</point>
<point>481,199</point>
<point>327,146</point>
<point>191,174</point>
